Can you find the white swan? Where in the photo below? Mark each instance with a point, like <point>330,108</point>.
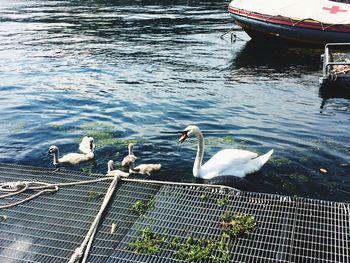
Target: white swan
<point>226,162</point>
<point>130,158</point>
<point>87,145</point>
<point>112,172</point>
<point>144,168</point>
<point>71,158</point>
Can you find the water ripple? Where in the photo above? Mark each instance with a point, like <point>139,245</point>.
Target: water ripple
<point>131,70</point>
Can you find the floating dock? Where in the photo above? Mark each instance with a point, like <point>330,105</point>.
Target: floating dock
<point>51,226</point>
<point>336,65</point>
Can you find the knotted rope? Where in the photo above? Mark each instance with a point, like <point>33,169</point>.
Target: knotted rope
<point>15,188</point>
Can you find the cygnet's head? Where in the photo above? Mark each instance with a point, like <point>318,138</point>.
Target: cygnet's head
<point>188,131</point>
<point>53,149</point>
<point>110,165</point>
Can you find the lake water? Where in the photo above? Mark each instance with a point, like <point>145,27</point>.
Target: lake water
<point>131,70</point>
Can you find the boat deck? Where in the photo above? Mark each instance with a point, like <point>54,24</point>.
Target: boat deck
<point>50,227</point>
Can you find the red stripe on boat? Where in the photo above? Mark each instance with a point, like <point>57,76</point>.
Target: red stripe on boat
<point>289,22</point>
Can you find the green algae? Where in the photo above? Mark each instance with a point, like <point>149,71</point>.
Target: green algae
<point>104,135</point>
<point>193,249</point>
<point>94,195</point>
<point>299,177</point>
<point>237,224</point>
<point>222,201</point>
<point>147,242</point>
<point>140,207</point>
<point>280,161</point>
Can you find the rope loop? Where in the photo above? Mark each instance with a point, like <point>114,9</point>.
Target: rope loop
<point>13,186</point>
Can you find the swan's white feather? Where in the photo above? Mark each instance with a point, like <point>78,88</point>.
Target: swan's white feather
<point>112,172</point>
<point>228,162</point>
<point>72,158</point>
<point>127,160</point>
<point>233,162</point>
<point>76,158</point>
<point>85,145</point>
<point>117,173</point>
<point>130,158</point>
<point>146,168</point>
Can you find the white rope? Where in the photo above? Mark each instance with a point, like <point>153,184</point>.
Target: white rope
<point>15,188</point>
<point>80,253</point>
<point>84,248</point>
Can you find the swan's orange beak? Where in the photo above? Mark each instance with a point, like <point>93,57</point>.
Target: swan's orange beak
<point>183,137</point>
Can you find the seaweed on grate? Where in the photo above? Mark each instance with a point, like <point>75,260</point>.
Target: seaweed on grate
<point>237,224</point>
<point>50,227</point>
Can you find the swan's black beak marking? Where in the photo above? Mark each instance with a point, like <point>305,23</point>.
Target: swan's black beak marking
<point>183,137</point>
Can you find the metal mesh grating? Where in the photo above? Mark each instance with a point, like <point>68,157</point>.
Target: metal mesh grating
<point>50,227</point>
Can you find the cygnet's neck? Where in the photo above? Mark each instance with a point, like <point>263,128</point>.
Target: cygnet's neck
<point>131,149</point>
<point>109,168</point>
<point>55,157</point>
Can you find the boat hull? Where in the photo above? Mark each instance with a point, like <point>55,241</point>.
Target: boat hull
<point>264,27</point>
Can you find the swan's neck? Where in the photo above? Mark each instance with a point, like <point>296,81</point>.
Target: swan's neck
<point>55,158</point>
<point>131,150</point>
<point>199,157</point>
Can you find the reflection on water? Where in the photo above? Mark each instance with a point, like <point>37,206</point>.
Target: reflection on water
<point>127,71</point>
<point>335,97</point>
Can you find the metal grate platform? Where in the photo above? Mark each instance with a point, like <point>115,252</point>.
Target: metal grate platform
<point>50,227</point>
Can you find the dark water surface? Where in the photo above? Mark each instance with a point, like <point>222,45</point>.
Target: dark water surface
<point>129,70</point>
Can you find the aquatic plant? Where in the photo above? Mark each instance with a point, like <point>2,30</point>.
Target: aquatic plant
<point>223,248</point>
<point>56,126</point>
<point>193,249</point>
<point>304,159</point>
<point>237,224</point>
<point>222,202</point>
<point>215,141</point>
<point>140,207</point>
<point>205,196</point>
<point>19,126</point>
<point>279,161</point>
<point>290,186</point>
<point>300,177</point>
<point>86,170</point>
<point>94,195</point>
<point>229,140</point>
<point>147,242</point>
<point>104,134</point>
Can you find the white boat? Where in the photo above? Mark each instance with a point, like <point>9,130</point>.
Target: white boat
<point>304,21</point>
